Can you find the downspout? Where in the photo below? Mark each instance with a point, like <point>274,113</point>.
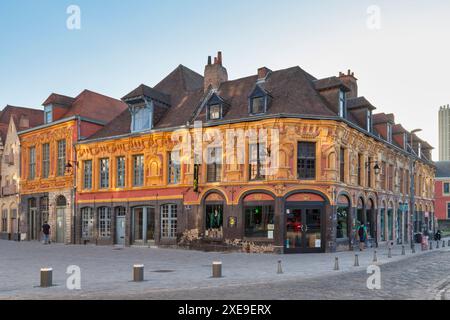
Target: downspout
<point>74,189</point>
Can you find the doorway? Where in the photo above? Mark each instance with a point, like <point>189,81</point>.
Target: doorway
<point>143,225</point>
<point>61,204</point>
<point>120,226</point>
<point>304,229</point>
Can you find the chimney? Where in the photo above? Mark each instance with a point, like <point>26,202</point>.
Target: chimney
<point>351,82</point>
<point>215,74</point>
<point>263,73</point>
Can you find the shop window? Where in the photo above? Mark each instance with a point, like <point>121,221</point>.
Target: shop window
<point>214,220</point>
<point>390,218</point>
<point>87,222</point>
<point>169,221</point>
<point>342,230</point>
<point>382,224</point>
<point>259,221</point>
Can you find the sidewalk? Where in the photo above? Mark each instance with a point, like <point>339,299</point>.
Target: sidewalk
<point>107,270</point>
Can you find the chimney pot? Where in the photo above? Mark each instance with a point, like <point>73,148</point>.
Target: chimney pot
<point>209,60</point>
<point>219,57</point>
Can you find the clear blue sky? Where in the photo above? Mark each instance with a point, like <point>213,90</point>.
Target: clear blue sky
<point>402,68</point>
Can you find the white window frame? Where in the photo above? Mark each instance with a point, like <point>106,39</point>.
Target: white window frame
<point>104,222</point>
<point>87,222</point>
<point>169,221</point>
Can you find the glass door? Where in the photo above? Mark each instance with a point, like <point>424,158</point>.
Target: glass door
<point>143,225</point>
<point>303,229</point>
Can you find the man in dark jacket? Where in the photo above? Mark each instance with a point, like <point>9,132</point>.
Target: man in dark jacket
<point>46,232</point>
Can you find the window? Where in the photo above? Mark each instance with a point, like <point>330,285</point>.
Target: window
<point>61,157</point>
<point>120,182</point>
<point>214,220</point>
<point>258,105</point>
<point>45,160</point>
<point>448,210</point>
<point>87,222</point>
<point>43,203</point>
<point>369,172</point>
<point>382,224</point>
<point>391,178</point>
<point>383,175</point>
<point>168,221</point>
<point>342,164</point>
<point>389,133</point>
<point>369,121</point>
<point>104,173</point>
<point>359,169</point>
<point>48,114</point>
<point>32,164</point>
<point>5,220</point>
<point>402,181</point>
<point>87,175</point>
<point>342,104</point>
<point>174,168</point>
<point>104,222</point>
<point>259,220</point>
<point>138,171</point>
<point>446,187</point>
<point>214,112</point>
<point>306,160</point>
<point>214,165</point>
<point>257,161</point>
<point>141,118</point>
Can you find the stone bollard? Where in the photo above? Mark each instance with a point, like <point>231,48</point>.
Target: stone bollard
<point>403,251</point>
<point>375,259</point>
<point>46,277</point>
<point>443,244</point>
<point>356,260</point>
<point>437,244</point>
<point>413,248</point>
<point>280,270</point>
<point>138,272</point>
<point>431,245</point>
<point>448,244</point>
<point>336,263</point>
<point>217,269</point>
<point>390,253</point>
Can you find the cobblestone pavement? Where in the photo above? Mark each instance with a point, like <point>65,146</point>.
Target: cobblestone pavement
<point>179,274</point>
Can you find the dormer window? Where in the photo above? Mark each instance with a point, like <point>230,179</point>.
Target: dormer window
<point>259,101</point>
<point>342,104</point>
<point>141,117</point>
<point>389,132</point>
<point>216,108</point>
<point>215,112</point>
<point>48,114</point>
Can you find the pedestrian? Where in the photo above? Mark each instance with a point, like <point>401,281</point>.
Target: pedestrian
<point>362,235</point>
<point>46,232</point>
<point>438,235</point>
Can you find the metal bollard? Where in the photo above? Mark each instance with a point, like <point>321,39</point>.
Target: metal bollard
<point>336,263</point>
<point>138,272</point>
<point>217,269</point>
<point>431,245</point>
<point>403,251</point>
<point>375,259</point>
<point>280,270</point>
<point>390,253</point>
<point>46,277</point>
<point>437,244</point>
<point>356,261</point>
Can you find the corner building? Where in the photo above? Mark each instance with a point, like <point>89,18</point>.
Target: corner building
<point>337,165</point>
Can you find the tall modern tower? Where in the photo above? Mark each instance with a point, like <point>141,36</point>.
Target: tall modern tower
<point>444,133</point>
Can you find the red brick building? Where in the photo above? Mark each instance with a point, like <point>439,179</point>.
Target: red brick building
<point>443,193</point>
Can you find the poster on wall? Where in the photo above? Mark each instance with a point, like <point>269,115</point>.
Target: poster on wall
<point>318,243</point>
<point>270,234</point>
<point>232,221</point>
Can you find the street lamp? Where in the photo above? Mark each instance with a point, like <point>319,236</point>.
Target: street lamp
<point>412,187</point>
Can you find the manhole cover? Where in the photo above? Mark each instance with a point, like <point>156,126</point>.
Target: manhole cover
<point>163,271</point>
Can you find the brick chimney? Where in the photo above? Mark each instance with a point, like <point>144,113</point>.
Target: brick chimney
<point>24,122</point>
<point>263,73</point>
<point>215,74</point>
<point>350,81</point>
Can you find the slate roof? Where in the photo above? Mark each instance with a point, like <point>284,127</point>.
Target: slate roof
<point>35,118</point>
<point>442,169</point>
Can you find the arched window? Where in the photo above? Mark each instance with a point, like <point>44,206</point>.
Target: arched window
<point>87,222</point>
<point>104,222</point>
<point>168,221</point>
<point>383,222</point>
<point>343,215</point>
<point>61,201</point>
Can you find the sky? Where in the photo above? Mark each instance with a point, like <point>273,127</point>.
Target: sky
<point>399,50</point>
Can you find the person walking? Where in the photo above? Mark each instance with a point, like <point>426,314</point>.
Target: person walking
<point>362,235</point>
<point>46,232</point>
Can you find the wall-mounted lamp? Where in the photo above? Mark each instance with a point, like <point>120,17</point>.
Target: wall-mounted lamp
<point>376,167</point>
